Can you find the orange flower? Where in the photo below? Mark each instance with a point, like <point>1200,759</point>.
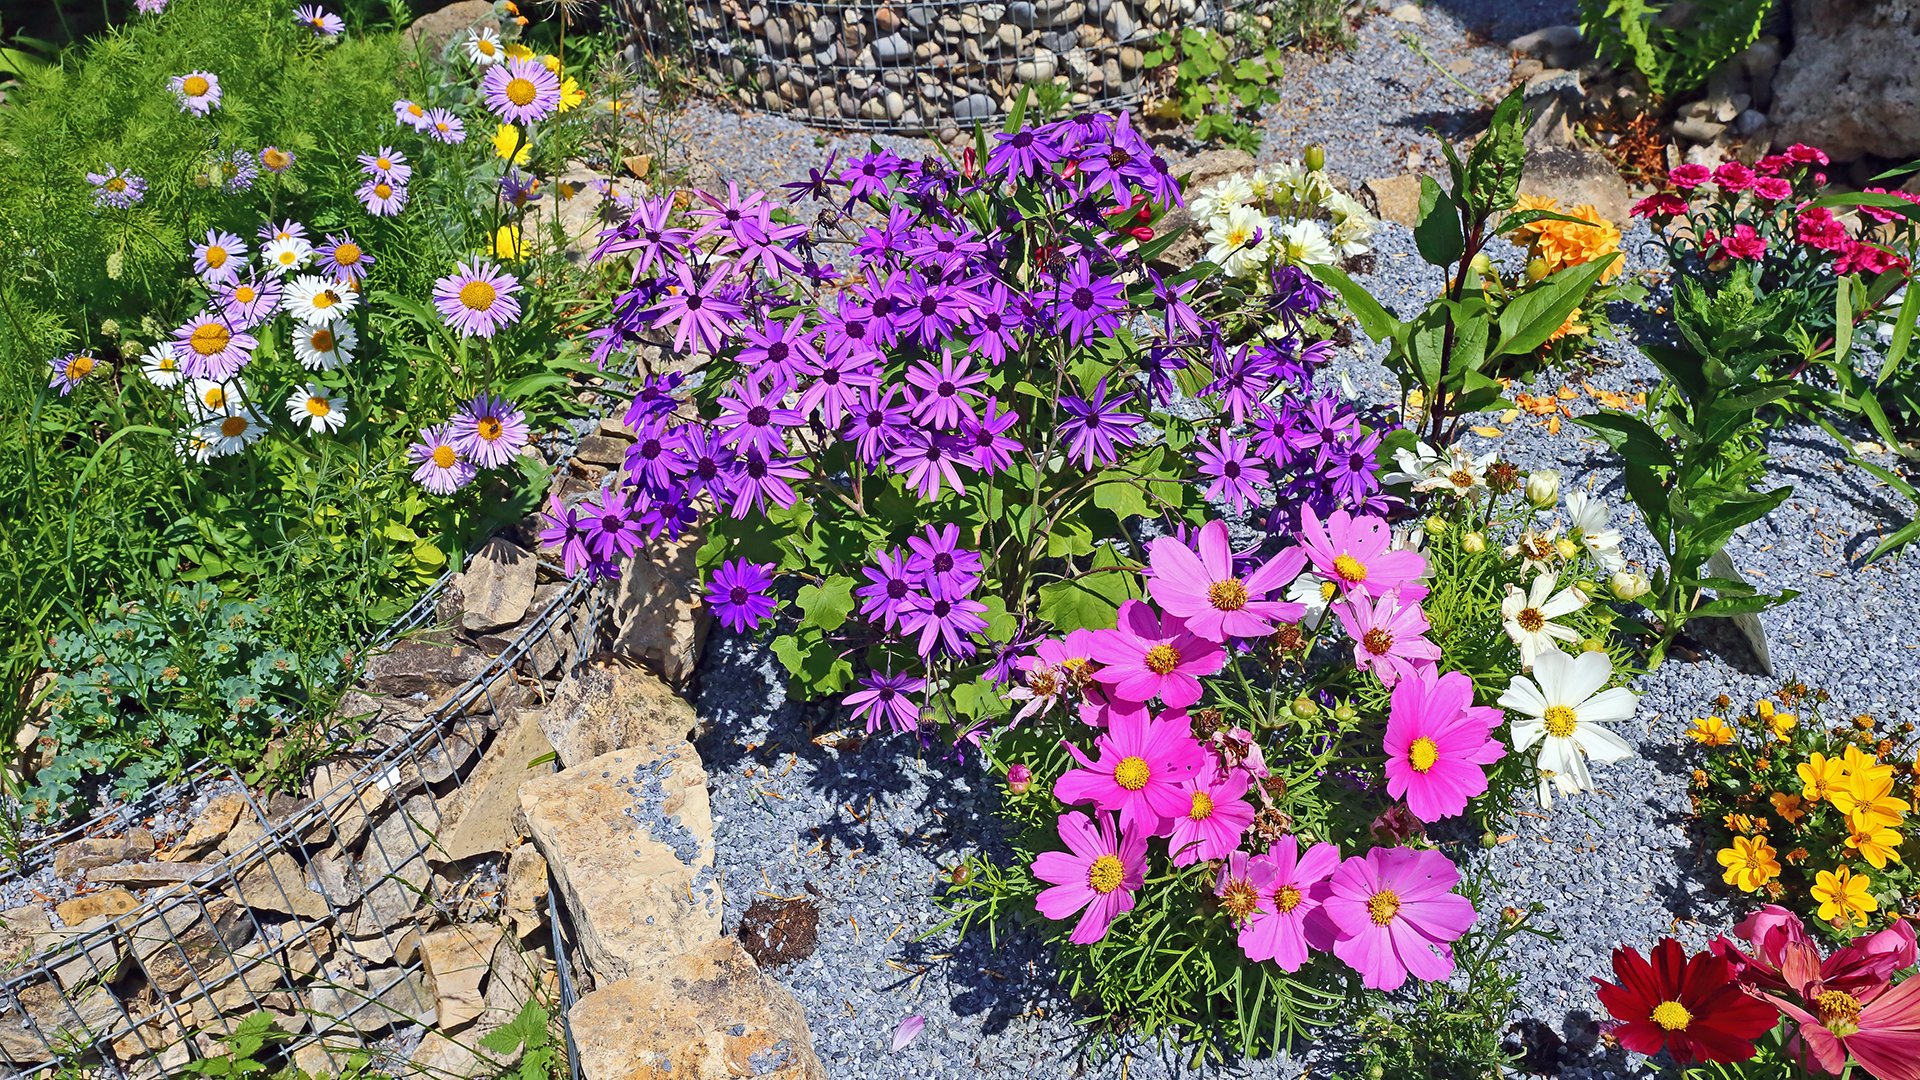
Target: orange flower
<point>1788,807</point>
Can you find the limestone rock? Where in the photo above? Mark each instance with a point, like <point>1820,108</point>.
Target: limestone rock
<point>434,31</point>
<point>90,853</point>
<point>391,997</point>
<point>629,838</point>
<point>1850,85</point>
<point>149,875</point>
<point>613,706</point>
<point>705,1014</point>
<point>278,884</point>
<point>1409,14</point>
<point>85,956</point>
<point>1396,198</point>
<point>45,1016</point>
<point>18,927</point>
<point>480,811</point>
<point>209,828</point>
<point>497,586</point>
<point>1576,175</point>
<point>457,959</point>
<point>525,892</point>
<point>394,866</point>
<point>185,940</point>
<point>658,616</point>
<point>93,905</point>
<point>421,667</point>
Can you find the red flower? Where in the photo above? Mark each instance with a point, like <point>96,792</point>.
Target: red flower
<point>1742,243</point>
<point>1689,176</point>
<point>1733,176</point>
<point>1687,1006</point>
<point>1772,188</point>
<point>1868,259</point>
<point>1802,154</point>
<point>1816,227</point>
<point>1659,205</point>
<point>1773,165</point>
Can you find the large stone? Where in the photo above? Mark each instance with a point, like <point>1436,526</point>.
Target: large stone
<point>391,998</point>
<point>479,813</point>
<point>614,706</point>
<point>93,852</point>
<point>84,956</point>
<point>209,827</point>
<point>393,864</point>
<point>629,838</point>
<point>151,875</point>
<point>1396,198</point>
<point>434,31</point>
<point>457,959</point>
<point>422,667</point>
<point>18,928</point>
<point>93,905</point>
<point>1850,84</point>
<point>497,586</point>
<point>185,941</point>
<point>524,895</point>
<point>658,616</point>
<point>279,884</point>
<point>46,1020</point>
<point>703,1015</point>
<point>1576,175</point>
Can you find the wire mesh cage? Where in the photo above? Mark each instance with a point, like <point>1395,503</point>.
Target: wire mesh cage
<point>933,65</point>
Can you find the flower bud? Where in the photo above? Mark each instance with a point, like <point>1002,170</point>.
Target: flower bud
<point>1345,713</point>
<point>1473,543</point>
<point>1537,269</point>
<point>1543,488</point>
<point>1567,548</point>
<point>1315,157</point>
<point>1629,585</point>
<point>1436,526</point>
<point>1482,265</point>
<point>1593,645</point>
<point>1019,779</point>
<point>1303,707</point>
<point>1489,839</point>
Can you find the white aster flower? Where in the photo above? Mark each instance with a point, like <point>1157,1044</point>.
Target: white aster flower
<point>1213,202</point>
<point>1352,225</point>
<point>323,346</point>
<point>1461,474</point>
<point>316,409</point>
<point>232,433</point>
<point>1590,524</point>
<point>1304,243</point>
<point>286,254</point>
<point>1537,551</point>
<point>1564,712</point>
<point>213,398</point>
<point>312,299</point>
<point>1311,592</point>
<point>1528,616</point>
<point>1414,465</point>
<point>483,47</point>
<point>161,368</point>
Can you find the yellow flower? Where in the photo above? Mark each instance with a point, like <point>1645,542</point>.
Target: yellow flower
<point>508,244</point>
<point>1781,723</point>
<point>570,93</point>
<point>1711,731</point>
<point>1565,243</point>
<point>1868,802</point>
<point>1819,776</point>
<point>1787,806</point>
<point>517,51</point>
<point>1875,844</point>
<point>505,138</point>
<point>1750,863</point>
<point>1843,896</point>
<point>1764,708</point>
<point>1527,233</point>
<point>550,62</point>
<point>1739,823</point>
<point>1862,765</point>
<point>1572,327</point>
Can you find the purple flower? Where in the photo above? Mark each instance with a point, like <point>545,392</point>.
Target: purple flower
<point>777,350</point>
<point>709,462</point>
<point>388,164</point>
<point>444,127</point>
<point>477,300</point>
<point>883,699</point>
<point>698,312</point>
<point>877,423</point>
<point>1021,153</point>
<point>866,175</point>
<point>1233,471</point>
<point>737,593</point>
<point>818,183</point>
<point>607,519</point>
<point>117,190</point>
<point>1242,381</point>
<point>442,470</point>
<point>753,418</point>
<point>198,91</point>
<point>755,479</point>
<point>927,459</point>
<point>208,348</point>
<point>993,326</point>
<point>489,431</point>
<point>70,371</point>
<point>889,586</point>
<point>247,302</point>
<point>654,399</point>
<point>382,198</point>
<point>1096,429</point>
<point>219,257</point>
<point>1181,319</point>
<point>321,22</point>
<point>343,259</point>
<point>566,531</point>
<point>1349,467</point>
<point>1086,305</point>
<point>942,623</point>
<point>408,114</point>
<point>521,91</point>
<point>940,564</point>
<point>517,189</point>
<point>275,160</point>
<point>944,391</point>
<point>646,235</point>
<point>651,462</point>
<point>992,449</point>
<point>835,387</point>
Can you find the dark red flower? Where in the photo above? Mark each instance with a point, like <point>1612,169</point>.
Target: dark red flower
<point>1688,1006</point>
<point>1661,205</point>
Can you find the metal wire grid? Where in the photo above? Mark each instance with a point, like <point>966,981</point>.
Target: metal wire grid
<point>208,957</point>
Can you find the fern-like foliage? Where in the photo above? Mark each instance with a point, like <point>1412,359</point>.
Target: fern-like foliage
<point>1674,55</point>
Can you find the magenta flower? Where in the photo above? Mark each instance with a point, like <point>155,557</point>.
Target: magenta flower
<point>1216,818</point>
<point>1285,924</point>
<point>946,391</point>
<point>992,448</point>
<point>1689,176</point>
<point>753,418</point>
<point>1352,553</point>
<point>1733,177</point>
<point>1235,472</point>
<point>697,312</point>
<point>489,431</point>
<point>889,584</point>
<point>521,91</point>
<point>442,470</point>
<point>1204,589</point>
<point>737,593</point>
<point>477,299</point>
<point>1085,305</point>
<point>928,459</point>
<point>1388,636</point>
<point>882,699</point>
<point>942,623</point>
<point>940,564</point>
<point>565,531</point>
<point>1099,872</point>
<point>1437,742</point>
<point>1096,429</point>
<point>1742,243</point>
<point>612,528</point>
<point>1142,765</point>
<point>1144,657</point>
<point>755,479</point>
<point>1393,915</point>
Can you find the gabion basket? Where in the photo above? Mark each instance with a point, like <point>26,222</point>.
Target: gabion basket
<point>936,65</point>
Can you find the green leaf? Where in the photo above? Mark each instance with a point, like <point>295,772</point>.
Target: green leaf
<point>1373,318</point>
<point>1902,335</point>
<point>828,604</point>
<point>1438,233</point>
<point>1843,289</point>
<point>1090,601</point>
<point>813,665</point>
<point>1630,437</point>
<point>1718,524</point>
<point>1069,537</point>
<point>1532,317</point>
<point>1527,217</point>
<point>1722,606</point>
<point>523,1030</point>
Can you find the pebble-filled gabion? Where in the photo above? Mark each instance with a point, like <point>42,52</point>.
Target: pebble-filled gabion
<point>927,66</point>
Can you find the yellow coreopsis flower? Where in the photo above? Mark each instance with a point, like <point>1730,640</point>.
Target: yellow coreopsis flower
<point>1868,802</point>
<point>550,62</point>
<point>509,244</point>
<point>1750,863</point>
<point>1820,775</point>
<point>1875,844</point>
<point>1863,765</point>
<point>517,51</point>
<point>570,93</point>
<point>1781,724</point>
<point>1843,895</point>
<point>505,138</point>
<point>1711,731</point>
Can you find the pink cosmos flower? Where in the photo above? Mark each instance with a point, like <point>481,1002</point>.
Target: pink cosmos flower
<point>1143,658</point>
<point>1216,818</point>
<point>1352,553</point>
<point>1437,742</point>
<point>1393,915</point>
<point>1733,176</point>
<point>1099,872</point>
<point>1059,668</point>
<point>1689,176</point>
<point>1143,762</point>
<point>1388,636</point>
<point>1217,603</point>
<point>1290,921</point>
<point>1781,946</point>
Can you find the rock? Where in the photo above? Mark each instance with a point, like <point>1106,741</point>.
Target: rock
<point>614,706</point>
<point>394,866</point>
<point>391,997</point>
<point>434,31</point>
<point>602,450</point>
<point>1699,128</point>
<point>892,49</point>
<point>150,875</point>
<point>86,955</point>
<point>46,1015</point>
<point>93,852</point>
<point>93,905</point>
<point>973,107</point>
<point>1576,175</point>
<point>278,884</point>
<point>209,827</point>
<point>479,813</point>
<point>351,812</point>
<point>658,615</point>
<point>1555,99</point>
<point>1396,198</point>
<point>450,1059</point>
<point>497,585</point>
<point>524,896</point>
<point>420,667</point>
<point>709,1013</point>
<point>456,959</point>
<point>18,928</point>
<point>1409,14</point>
<point>185,940</point>
<point>1554,46</point>
<point>1850,85</point>
<point>1749,122</point>
<point>629,838</point>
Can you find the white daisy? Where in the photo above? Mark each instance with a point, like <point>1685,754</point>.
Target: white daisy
<point>1591,525</point>
<point>483,47</point>
<point>190,446</point>
<point>324,346</point>
<point>286,254</point>
<point>232,433</point>
<point>312,406</point>
<point>1215,201</point>
<point>1304,243</point>
<point>1238,241</point>
<point>1564,712</point>
<point>1414,465</point>
<point>313,299</point>
<point>1528,616</point>
<point>1460,474</point>
<point>211,398</point>
<point>1352,225</point>
<point>1537,551</point>
<point>161,368</point>
<point>1311,592</point>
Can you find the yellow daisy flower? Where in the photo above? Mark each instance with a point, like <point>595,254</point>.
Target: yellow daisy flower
<point>1843,896</point>
<point>505,138</point>
<point>1819,776</point>
<point>1711,731</point>
<point>1876,845</point>
<point>1863,765</point>
<point>1750,863</point>
<point>1868,803</point>
<point>517,51</point>
<point>1788,807</point>
<point>570,93</point>
<point>509,244</point>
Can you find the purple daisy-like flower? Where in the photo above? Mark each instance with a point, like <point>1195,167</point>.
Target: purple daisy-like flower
<point>612,529</point>
<point>117,190</point>
<point>1086,304</point>
<point>866,174</point>
<point>1234,471</point>
<point>737,593</point>
<point>753,418</point>
<point>565,531</point>
<point>219,257</point>
<point>343,259</point>
<point>698,311</point>
<point>521,91</point>
<point>876,423</point>
<point>285,230</point>
<point>208,348</point>
<point>150,7</point>
<point>477,300</point>
<point>410,114</point>
<point>441,469</point>
<point>198,91</point>
<point>882,699</point>
<point>889,585</point>
<point>247,302</point>
<point>709,461</point>
<point>489,431</point>
<point>945,391</point>
<point>651,461</point>
<point>755,480</point>
<point>1096,429</point>
<point>837,382</point>
<point>70,371</point>
<point>275,160</point>
<point>940,564</point>
<point>942,624</point>
<point>442,126</point>
<point>387,164</point>
<point>776,350</point>
<point>382,198</point>
<point>928,459</point>
<point>1024,153</point>
<point>239,170</point>
<point>992,448</point>
<point>320,21</point>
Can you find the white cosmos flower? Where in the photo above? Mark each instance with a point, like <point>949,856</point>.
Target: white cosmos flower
<point>1304,243</point>
<point>324,346</point>
<point>1461,474</point>
<point>1214,201</point>
<point>1591,525</point>
<point>161,368</point>
<point>313,299</point>
<point>212,398</point>
<point>316,409</point>
<point>1416,464</point>
<point>1238,241</point>
<point>1528,616</point>
<point>483,47</point>
<point>1564,712</point>
<point>285,255</point>
<point>1311,592</point>
<point>1352,225</point>
<point>1536,550</point>
<point>232,433</point>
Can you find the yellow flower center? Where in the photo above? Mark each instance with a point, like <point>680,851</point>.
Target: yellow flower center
<point>1133,773</point>
<point>1672,1016</point>
<point>415,110</point>
<point>1202,807</point>
<point>321,340</point>
<point>1530,620</point>
<point>1327,591</point>
<point>1839,1012</point>
<point>444,457</point>
<point>1460,478</point>
<point>210,339</point>
<point>1162,659</point>
<point>1351,570</point>
<point>276,159</point>
<point>195,85</point>
<point>216,256</point>
<point>246,294</point>
<point>1560,721</point>
<point>214,398</point>
<point>1383,906</point>
<point>383,164</point>
<point>116,185</point>
<point>1228,595</point>
<point>1286,898</point>
<point>325,298</point>
<point>1106,874</point>
<point>318,406</point>
<point>79,368</point>
<point>1423,754</point>
<point>477,295</point>
<point>485,46</point>
<point>346,254</point>
<point>521,91</point>
<point>1377,641</point>
<point>488,428</point>
<point>1240,898</point>
<point>383,189</point>
<point>233,426</point>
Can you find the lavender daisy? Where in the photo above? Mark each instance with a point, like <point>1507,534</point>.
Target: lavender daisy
<point>1234,471</point>
<point>381,198</point>
<point>198,91</point>
<point>477,299</point>
<point>237,172</point>
<point>1096,429</point>
<point>208,348</point>
<point>441,469</point>
<point>521,91</point>
<point>70,371</point>
<point>410,114</point>
<point>343,259</point>
<point>889,585</point>
<point>389,165</point>
<point>117,190</point>
<point>1086,305</point>
<point>275,160</point>
<point>218,258</point>
<point>444,127</point>
<point>323,23</point>
<point>489,431</point>
<point>247,302</point>
<point>882,699</point>
<point>737,593</point>
<point>943,624</point>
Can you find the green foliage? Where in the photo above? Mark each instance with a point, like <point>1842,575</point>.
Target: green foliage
<point>1220,82</point>
<point>1448,350</point>
<point>1693,461</point>
<point>250,1052</point>
<point>1673,52</point>
<point>531,1034</point>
